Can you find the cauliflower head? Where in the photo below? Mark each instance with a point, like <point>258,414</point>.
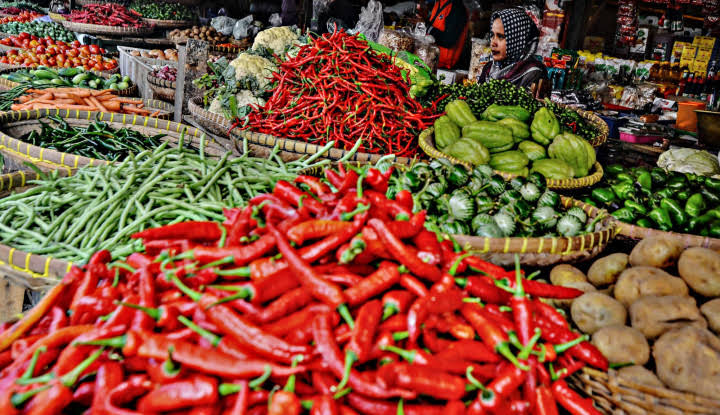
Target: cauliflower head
<point>220,104</point>
<point>246,97</point>
<point>276,39</point>
<point>257,67</point>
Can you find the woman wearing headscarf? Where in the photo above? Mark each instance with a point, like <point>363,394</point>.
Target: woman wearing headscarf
<point>513,43</point>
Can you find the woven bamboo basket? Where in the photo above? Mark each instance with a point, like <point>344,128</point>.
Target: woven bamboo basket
<point>6,84</point>
<point>56,17</point>
<point>161,88</point>
<point>46,269</point>
<point>169,24</point>
<point>634,232</point>
<point>96,29</point>
<point>597,122</point>
<point>617,395</point>
<point>428,146</point>
<point>215,123</point>
<point>542,252</point>
<point>295,149</point>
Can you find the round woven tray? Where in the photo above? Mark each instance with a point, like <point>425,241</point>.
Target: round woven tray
<point>215,123</point>
<point>169,24</point>
<point>295,149</point>
<point>96,29</point>
<point>598,123</point>
<point>159,88</point>
<point>56,17</point>
<point>427,144</point>
<point>6,84</point>
<point>630,231</point>
<point>542,252</point>
<point>613,394</point>
<point>34,268</point>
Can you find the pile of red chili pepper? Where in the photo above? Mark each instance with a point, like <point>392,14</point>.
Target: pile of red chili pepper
<point>309,299</point>
<point>107,14</point>
<point>337,89</point>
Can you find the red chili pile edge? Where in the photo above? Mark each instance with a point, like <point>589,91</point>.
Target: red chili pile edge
<point>332,300</point>
<point>108,14</point>
<point>337,89</point>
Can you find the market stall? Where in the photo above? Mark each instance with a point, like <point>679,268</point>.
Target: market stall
<point>257,218</point>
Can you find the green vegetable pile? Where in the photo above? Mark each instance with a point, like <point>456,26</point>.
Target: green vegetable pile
<point>481,203</point>
<point>481,96</point>
<point>97,140</point>
<point>162,11</point>
<point>39,29</point>
<point>658,199</point>
<point>70,77</point>
<point>571,121</point>
<point>25,5</point>
<point>100,207</point>
<point>513,140</point>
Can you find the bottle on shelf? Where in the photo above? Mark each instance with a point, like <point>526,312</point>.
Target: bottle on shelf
<point>682,85</point>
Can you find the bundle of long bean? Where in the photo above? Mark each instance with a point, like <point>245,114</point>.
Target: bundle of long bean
<point>97,139</point>
<point>100,207</point>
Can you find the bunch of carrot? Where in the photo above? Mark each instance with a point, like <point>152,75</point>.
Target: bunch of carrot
<point>81,99</point>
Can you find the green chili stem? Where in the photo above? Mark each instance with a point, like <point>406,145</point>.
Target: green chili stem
<point>213,338</point>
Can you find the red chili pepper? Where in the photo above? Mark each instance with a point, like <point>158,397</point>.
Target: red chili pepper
<point>545,402</point>
<point>521,308</point>
<point>505,383</point>
<point>287,303</point>
<point>549,313</point>
<point>192,230</point>
<point>584,351</point>
<point>488,331</point>
<point>396,302</point>
<point>376,407</point>
<point>429,249</point>
<point>291,194</point>
<point>401,253</point>
<point>404,197</point>
<point>314,229</point>
<point>412,284</point>
<point>570,400</point>
<point>385,277</point>
<point>423,379</point>
<point>134,387</point>
<point>84,393</point>
<point>240,255</point>
<point>284,403</point>
<point>366,324</point>
<point>316,186</point>
<point>470,350</point>
<point>324,291</point>
<point>484,289</point>
<point>545,290</point>
<point>325,405</point>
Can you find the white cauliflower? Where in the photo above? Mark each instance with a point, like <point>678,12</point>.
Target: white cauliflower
<point>276,39</point>
<point>245,97</point>
<point>242,98</point>
<point>216,106</point>
<point>257,67</point>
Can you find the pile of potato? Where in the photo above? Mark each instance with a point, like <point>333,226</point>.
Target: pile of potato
<point>635,306</point>
<point>206,33</point>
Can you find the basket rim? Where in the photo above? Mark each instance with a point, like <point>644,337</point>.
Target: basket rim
<point>428,147</point>
<point>214,122</point>
<point>168,24</point>
<point>557,245</point>
<point>163,83</point>
<point>103,29</point>
<point>635,232</point>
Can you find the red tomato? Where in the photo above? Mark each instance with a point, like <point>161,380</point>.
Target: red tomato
<point>72,52</point>
<point>75,43</point>
<point>60,59</point>
<point>108,65</point>
<point>94,49</point>
<point>98,67</point>
<point>40,49</point>
<point>12,52</point>
<point>45,61</point>
<point>25,43</point>
<point>24,35</point>
<point>85,49</point>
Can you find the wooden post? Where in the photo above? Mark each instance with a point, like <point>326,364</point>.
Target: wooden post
<point>192,63</point>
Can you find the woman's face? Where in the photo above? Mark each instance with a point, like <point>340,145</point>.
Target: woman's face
<point>498,44</point>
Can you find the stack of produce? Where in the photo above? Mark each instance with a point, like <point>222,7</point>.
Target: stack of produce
<point>513,140</point>
<point>72,77</point>
<point>634,302</point>
<point>97,139</point>
<point>24,16</point>
<point>39,29</point>
<point>337,89</point>
<point>206,33</point>
<point>58,54</point>
<point>100,207</point>
<point>658,199</point>
<point>482,204</point>
<point>81,99</point>
<point>167,54</point>
<point>162,11</point>
<point>107,15</point>
<point>179,327</point>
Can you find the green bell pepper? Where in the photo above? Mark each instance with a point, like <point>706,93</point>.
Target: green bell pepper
<point>712,183</point>
<point>663,193</point>
<point>714,230</point>
<point>589,201</point>
<point>622,189</point>
<point>677,183</point>
<point>614,169</point>
<point>631,204</point>
<point>710,195</point>
<point>624,214</point>
<point>695,222</point>
<point>659,176</point>
<point>625,177</point>
<point>677,214</point>
<point>645,181</point>
<point>604,195</point>
<point>644,223</point>
<point>694,205</point>
<point>682,196</point>
<point>661,218</point>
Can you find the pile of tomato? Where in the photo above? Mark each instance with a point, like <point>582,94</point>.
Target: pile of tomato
<point>45,51</point>
<point>26,16</point>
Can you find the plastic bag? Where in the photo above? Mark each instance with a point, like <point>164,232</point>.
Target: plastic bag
<point>320,7</point>
<point>402,8</point>
<point>223,24</point>
<point>241,30</point>
<point>275,20</point>
<point>370,21</point>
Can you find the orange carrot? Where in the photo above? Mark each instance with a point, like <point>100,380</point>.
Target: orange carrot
<point>129,100</point>
<point>135,110</point>
<point>97,103</point>
<point>155,114</point>
<point>112,106</point>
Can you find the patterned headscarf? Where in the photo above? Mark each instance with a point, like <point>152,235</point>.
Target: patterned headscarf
<point>521,35</point>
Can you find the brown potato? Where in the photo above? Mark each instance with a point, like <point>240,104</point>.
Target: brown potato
<point>700,268</point>
<point>592,311</point>
<point>711,311</point>
<point>640,281</point>
<point>638,374</point>
<point>688,359</point>
<point>656,251</point>
<point>653,315</point>
<point>606,270</point>
<point>564,273</point>
<point>622,344</point>
<point>585,287</point>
